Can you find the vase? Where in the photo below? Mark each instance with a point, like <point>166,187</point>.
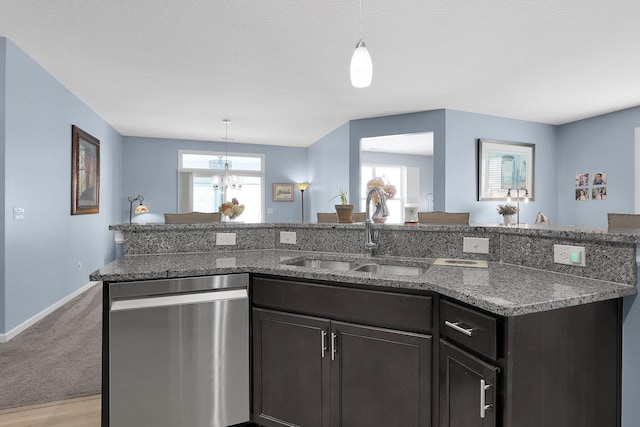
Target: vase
<point>377,215</point>
<point>507,219</point>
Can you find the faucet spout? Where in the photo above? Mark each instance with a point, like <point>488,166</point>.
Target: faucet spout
<point>371,236</point>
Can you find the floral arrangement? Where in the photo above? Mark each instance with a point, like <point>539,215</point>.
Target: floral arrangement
<point>232,209</point>
<point>388,189</point>
<point>507,209</point>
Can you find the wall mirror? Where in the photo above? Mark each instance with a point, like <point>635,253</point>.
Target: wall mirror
<point>404,161</point>
<point>504,166</point>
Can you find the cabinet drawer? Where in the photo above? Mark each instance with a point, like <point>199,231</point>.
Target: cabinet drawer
<point>376,308</point>
<point>470,328</point>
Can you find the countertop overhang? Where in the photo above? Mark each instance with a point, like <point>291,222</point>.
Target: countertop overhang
<point>502,289</point>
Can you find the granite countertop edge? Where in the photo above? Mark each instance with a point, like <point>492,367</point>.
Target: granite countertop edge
<point>502,289</point>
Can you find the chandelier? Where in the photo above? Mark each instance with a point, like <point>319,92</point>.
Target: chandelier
<point>226,181</point>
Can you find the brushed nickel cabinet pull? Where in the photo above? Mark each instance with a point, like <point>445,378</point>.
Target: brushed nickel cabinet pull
<point>323,343</point>
<point>483,398</point>
<point>333,346</point>
<point>456,326</point>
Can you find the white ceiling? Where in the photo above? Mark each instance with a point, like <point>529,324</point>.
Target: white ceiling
<point>279,68</point>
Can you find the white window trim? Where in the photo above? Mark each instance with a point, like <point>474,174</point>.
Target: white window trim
<point>211,172</point>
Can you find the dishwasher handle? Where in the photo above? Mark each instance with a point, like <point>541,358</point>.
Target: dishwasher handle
<point>178,299</point>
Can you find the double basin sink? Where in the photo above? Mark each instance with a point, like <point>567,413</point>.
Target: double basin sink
<point>368,266</point>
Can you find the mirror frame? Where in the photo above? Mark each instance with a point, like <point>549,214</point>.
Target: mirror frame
<point>490,148</point>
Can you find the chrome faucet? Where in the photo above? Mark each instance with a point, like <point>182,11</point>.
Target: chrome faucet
<point>526,199</point>
<point>371,236</point>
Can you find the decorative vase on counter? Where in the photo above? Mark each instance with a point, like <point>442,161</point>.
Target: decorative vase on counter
<point>508,220</point>
<point>377,215</point>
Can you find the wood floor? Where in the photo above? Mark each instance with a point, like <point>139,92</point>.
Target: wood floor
<point>79,412</point>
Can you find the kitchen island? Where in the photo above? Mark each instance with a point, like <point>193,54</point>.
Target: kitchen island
<point>543,346</point>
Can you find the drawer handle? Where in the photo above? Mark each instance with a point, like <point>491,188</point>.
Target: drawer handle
<point>483,398</point>
<point>456,326</point>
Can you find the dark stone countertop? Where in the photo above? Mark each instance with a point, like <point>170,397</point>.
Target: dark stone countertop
<point>503,289</point>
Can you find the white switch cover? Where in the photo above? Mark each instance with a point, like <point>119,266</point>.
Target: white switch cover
<point>18,214</point>
<point>288,237</point>
<point>475,245</point>
<point>225,238</point>
<point>570,255</point>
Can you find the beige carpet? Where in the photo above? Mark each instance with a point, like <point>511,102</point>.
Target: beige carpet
<point>58,358</point>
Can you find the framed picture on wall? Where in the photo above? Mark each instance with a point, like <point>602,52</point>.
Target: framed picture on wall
<point>504,166</point>
<point>283,192</point>
<point>85,172</point>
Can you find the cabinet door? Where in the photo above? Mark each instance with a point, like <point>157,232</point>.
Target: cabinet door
<point>290,370</point>
<point>379,377</point>
<point>467,389</point>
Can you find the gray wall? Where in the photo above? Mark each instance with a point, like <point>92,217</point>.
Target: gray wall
<point>462,131</point>
<point>42,252</point>
<point>602,143</point>
<point>151,165</point>
<point>328,163</point>
<point>426,121</point>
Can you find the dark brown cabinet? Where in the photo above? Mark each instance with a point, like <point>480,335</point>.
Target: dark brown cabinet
<point>467,389</point>
<point>556,368</point>
<point>312,371</point>
<point>291,369</point>
<point>333,355</point>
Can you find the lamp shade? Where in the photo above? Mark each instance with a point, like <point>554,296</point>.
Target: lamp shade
<point>141,209</point>
<point>361,66</point>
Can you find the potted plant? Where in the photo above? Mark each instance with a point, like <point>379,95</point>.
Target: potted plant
<point>344,209</point>
<point>507,211</point>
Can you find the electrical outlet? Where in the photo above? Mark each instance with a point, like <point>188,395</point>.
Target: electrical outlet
<point>225,238</point>
<point>79,266</point>
<point>288,237</point>
<point>569,255</point>
<point>476,245</point>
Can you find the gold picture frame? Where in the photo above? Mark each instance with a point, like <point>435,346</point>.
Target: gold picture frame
<point>283,192</point>
<point>85,172</point>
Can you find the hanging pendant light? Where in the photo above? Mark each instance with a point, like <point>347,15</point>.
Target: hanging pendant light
<point>361,69</point>
<point>226,181</point>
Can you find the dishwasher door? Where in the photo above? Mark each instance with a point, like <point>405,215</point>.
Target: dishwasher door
<point>179,352</point>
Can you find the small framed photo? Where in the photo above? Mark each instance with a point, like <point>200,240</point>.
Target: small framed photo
<point>283,192</point>
<point>599,178</point>
<point>582,179</point>
<point>85,172</point>
<point>582,194</point>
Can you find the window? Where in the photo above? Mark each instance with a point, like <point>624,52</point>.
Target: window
<point>407,183</point>
<point>196,172</point>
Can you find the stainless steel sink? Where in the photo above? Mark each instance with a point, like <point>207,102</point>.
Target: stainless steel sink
<point>327,264</point>
<point>398,270</point>
<point>365,266</point>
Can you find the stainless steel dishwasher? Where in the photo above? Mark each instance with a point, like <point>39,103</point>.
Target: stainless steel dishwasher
<point>179,352</point>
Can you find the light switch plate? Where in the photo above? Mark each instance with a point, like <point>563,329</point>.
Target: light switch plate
<point>225,238</point>
<point>288,237</point>
<point>569,255</point>
<point>475,245</point>
<point>18,214</point>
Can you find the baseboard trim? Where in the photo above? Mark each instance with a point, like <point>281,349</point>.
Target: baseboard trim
<point>29,322</point>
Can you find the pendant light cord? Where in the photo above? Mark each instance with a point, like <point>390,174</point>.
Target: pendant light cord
<point>360,20</point>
